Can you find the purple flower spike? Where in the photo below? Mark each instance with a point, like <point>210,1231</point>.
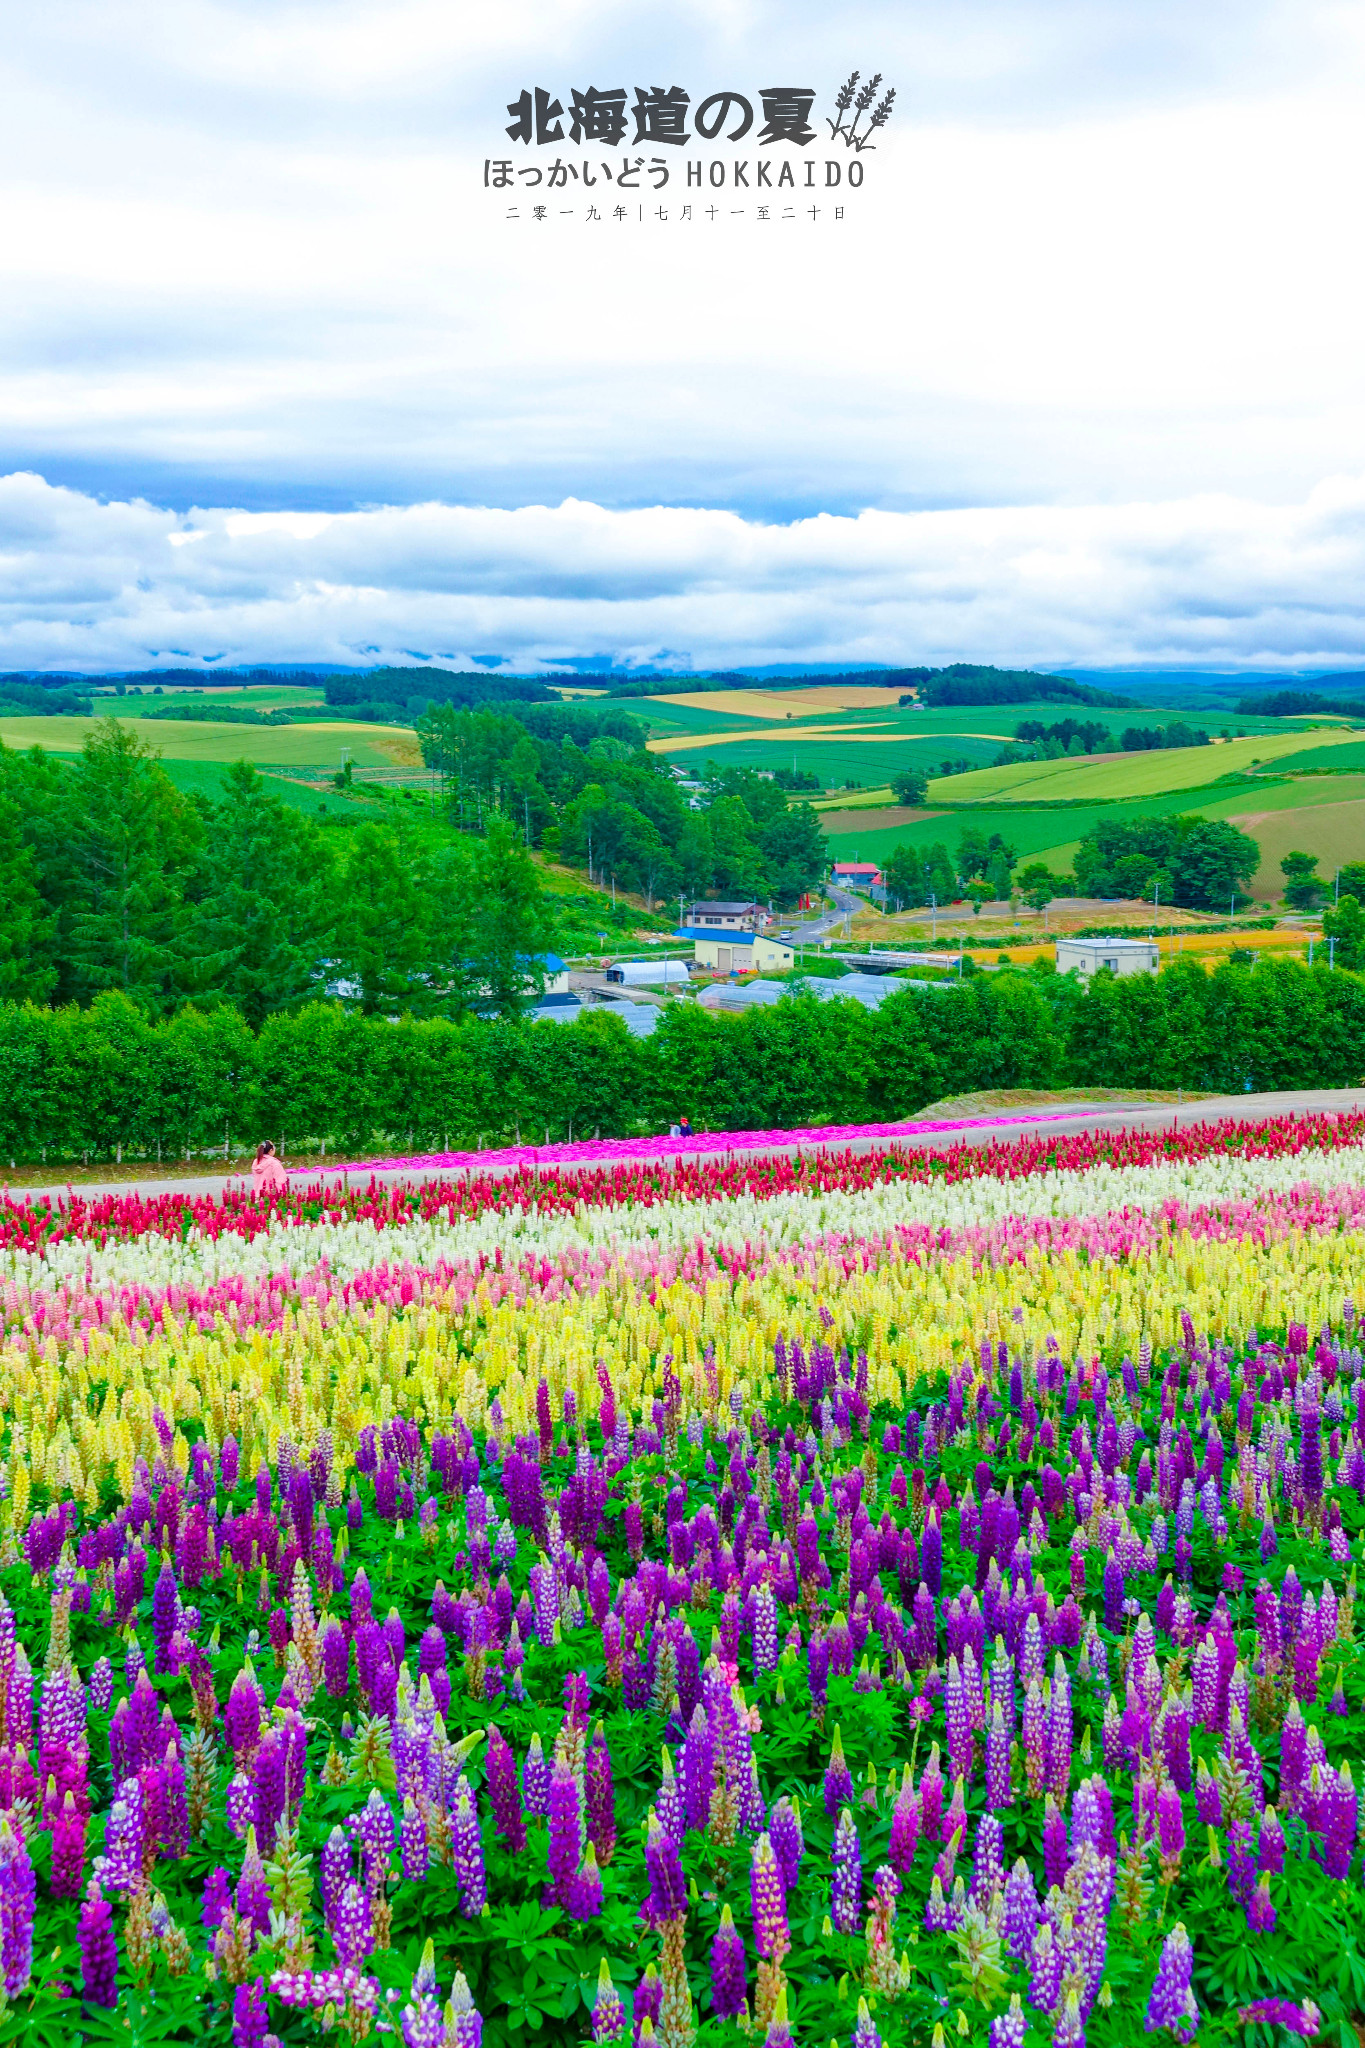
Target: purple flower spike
<point>772,1937</point>
<point>1172,2003</point>
<point>250,2020</point>
<point>728,1973</point>
<point>99,1950</point>
<point>846,1884</point>
<point>608,2013</point>
<point>667,1886</point>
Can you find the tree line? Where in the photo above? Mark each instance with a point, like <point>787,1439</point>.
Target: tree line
<point>583,787</point>
<point>1194,862</point>
<point>111,1082</point>
<point>112,878</point>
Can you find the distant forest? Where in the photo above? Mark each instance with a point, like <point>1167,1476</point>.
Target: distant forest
<point>401,696</point>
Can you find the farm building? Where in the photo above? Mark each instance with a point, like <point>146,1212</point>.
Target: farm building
<point>1120,956</point>
<point>743,954</point>
<point>857,874</point>
<point>727,917</point>
<point>647,973</point>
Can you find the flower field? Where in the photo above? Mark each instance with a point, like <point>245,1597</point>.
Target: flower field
<point>855,1597</point>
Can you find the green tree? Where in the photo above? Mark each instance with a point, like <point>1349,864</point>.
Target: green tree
<point>906,880</point>
<point>795,851</point>
<point>910,788</point>
<point>1304,890</point>
<point>135,842</point>
<point>1350,881</point>
<point>514,924</point>
<point>27,926</point>
<point>1036,885</point>
<point>1213,863</point>
<point>1345,922</point>
<point>380,936</point>
<point>258,930</point>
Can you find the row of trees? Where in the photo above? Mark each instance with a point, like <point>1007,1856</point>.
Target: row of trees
<point>108,1083</point>
<point>111,878</point>
<point>1198,863</point>
<point>583,786</point>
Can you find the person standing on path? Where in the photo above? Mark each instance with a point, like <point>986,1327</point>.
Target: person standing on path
<point>267,1169</point>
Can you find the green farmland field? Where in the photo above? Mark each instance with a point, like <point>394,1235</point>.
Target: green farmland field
<point>286,746</point>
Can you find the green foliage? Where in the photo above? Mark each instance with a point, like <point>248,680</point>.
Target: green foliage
<point>1199,863</point>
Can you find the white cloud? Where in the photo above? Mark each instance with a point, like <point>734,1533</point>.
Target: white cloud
<point>1211,580</point>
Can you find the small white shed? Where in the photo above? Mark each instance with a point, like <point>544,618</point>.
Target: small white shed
<point>648,973</point>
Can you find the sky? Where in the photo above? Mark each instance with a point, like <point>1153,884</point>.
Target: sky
<point>1077,378</point>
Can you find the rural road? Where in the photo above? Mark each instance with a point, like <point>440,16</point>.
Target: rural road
<point>1067,1121</point>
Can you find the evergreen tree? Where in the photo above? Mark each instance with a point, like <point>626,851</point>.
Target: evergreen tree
<point>134,847</point>
<point>256,935</point>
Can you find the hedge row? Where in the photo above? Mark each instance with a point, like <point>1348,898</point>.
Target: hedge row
<point>106,1083</point>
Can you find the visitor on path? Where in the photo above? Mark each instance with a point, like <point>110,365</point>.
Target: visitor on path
<point>267,1169</point>
<point>685,1127</point>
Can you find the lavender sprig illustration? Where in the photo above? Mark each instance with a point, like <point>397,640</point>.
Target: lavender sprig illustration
<point>880,115</point>
<point>843,99</point>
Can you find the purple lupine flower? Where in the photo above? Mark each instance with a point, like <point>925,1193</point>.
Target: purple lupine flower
<point>240,1805</point>
<point>1208,1800</point>
<point>729,1983</point>
<point>1310,1451</point>
<point>1337,1817</point>
<point>648,2001</point>
<point>504,1796</point>
<point>931,1798</point>
<point>253,1892</point>
<point>352,1928</point>
<point>376,1832</point>
<point>1008,2028</point>
<point>1170,1824</point>
<point>784,1832</point>
<point>412,1843</point>
<point>1021,1918</point>
<point>667,1886</point>
<point>165,1616</point>
<point>903,1827</point>
<point>17,1892</point>
<point>1059,1733</point>
<point>865,2034</point>
<point>1271,1847</point>
<point>101,1685</point>
<point>988,1860</point>
<point>1241,1868</point>
<point>99,1950</point>
<point>608,2013</point>
<point>1172,2003</point>
<point>1261,1914</point>
<point>698,1769</point>
<point>585,1888</point>
<point>467,1856</point>
<point>335,1871</point>
<point>768,1894</point>
<point>250,2019</point>
<point>838,1778</point>
<point>271,1787</point>
<point>668,1805</point>
<point>535,1779</point>
<point>336,1658</point>
<point>1304,2020</point>
<point>846,1882</point>
<point>999,1787</point>
<point>600,1787</point>
<point>566,1830</point>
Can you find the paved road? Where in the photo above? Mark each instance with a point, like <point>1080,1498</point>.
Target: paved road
<point>1070,1120</point>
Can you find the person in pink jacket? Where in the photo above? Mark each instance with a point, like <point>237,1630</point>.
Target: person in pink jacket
<point>267,1170</point>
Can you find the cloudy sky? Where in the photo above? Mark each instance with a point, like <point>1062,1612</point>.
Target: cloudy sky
<point>1078,378</point>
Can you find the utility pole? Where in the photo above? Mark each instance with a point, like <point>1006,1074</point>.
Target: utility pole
<point>1331,953</point>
